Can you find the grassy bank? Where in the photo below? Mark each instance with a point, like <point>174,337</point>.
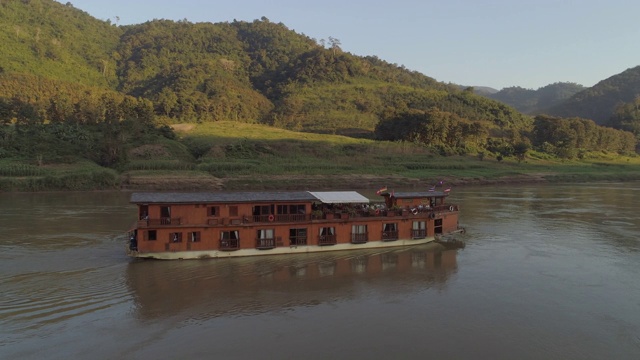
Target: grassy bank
<point>21,176</point>
<point>234,156</point>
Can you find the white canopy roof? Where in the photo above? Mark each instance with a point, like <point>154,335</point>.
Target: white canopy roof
<point>339,197</point>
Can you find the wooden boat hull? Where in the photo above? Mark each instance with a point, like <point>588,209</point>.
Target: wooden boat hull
<point>207,254</point>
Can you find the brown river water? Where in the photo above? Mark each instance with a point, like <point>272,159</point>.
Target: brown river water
<point>548,272</point>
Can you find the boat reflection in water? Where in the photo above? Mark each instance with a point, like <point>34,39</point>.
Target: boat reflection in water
<point>246,286</point>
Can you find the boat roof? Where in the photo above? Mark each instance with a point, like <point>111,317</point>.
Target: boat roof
<point>418,194</point>
<point>220,197</point>
<point>329,197</point>
<point>340,197</point>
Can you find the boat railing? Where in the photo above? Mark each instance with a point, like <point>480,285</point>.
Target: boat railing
<point>389,235</point>
<point>164,221</point>
<point>327,240</point>
<point>445,207</point>
<point>420,210</point>
<point>359,238</point>
<point>418,233</point>
<point>281,218</point>
<point>265,243</point>
<point>298,240</point>
<point>229,244</point>
<point>293,217</point>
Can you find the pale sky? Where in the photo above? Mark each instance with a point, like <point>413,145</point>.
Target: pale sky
<point>495,43</point>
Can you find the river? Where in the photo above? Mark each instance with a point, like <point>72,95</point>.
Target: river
<point>548,272</point>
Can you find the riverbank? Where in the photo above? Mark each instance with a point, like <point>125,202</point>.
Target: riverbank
<point>459,173</point>
<point>344,182</point>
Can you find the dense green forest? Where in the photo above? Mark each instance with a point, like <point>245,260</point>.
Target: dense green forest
<point>74,88</point>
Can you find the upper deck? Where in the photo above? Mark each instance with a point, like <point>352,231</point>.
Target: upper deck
<point>175,209</point>
<point>324,197</point>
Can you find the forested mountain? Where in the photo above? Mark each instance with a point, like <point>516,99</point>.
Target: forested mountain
<point>61,69</point>
<point>50,40</point>
<point>599,102</point>
<point>531,101</point>
<point>246,71</point>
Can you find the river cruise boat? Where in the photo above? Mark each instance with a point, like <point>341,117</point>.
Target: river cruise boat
<point>226,224</point>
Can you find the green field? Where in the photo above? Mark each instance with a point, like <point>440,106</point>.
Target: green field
<point>231,155</point>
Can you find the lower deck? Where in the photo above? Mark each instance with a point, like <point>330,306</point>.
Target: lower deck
<point>293,249</point>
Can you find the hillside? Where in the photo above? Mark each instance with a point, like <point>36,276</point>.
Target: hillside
<point>257,72</point>
<point>599,102</point>
<point>47,39</point>
<point>80,93</point>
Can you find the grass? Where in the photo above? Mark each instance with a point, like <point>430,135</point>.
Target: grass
<point>85,175</point>
<point>263,152</point>
<point>234,155</point>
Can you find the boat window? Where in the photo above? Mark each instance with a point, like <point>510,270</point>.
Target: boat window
<point>419,225</point>
<point>233,211</point>
<point>390,227</point>
<point>359,229</point>
<point>175,237</point>
<point>229,235</point>
<point>261,210</point>
<point>298,236</point>
<point>265,234</point>
<point>213,211</point>
<point>291,209</point>
<point>327,231</point>
<point>165,211</point>
<point>194,236</point>
<point>151,235</point>
<point>144,212</point>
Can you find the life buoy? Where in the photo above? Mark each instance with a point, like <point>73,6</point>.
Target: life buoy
<point>377,211</point>
<point>414,211</point>
<point>451,208</point>
<point>432,215</point>
<point>271,217</point>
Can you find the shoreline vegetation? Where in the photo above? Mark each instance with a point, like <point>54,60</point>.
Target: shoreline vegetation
<point>231,156</point>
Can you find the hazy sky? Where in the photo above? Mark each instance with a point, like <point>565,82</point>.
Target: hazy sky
<point>496,43</point>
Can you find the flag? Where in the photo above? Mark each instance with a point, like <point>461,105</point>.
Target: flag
<point>447,189</point>
<point>382,190</point>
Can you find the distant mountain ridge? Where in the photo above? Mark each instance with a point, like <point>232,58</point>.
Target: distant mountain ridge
<point>533,101</point>
<point>600,101</point>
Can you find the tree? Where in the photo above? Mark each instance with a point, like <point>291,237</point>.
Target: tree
<point>520,150</point>
<point>334,45</point>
